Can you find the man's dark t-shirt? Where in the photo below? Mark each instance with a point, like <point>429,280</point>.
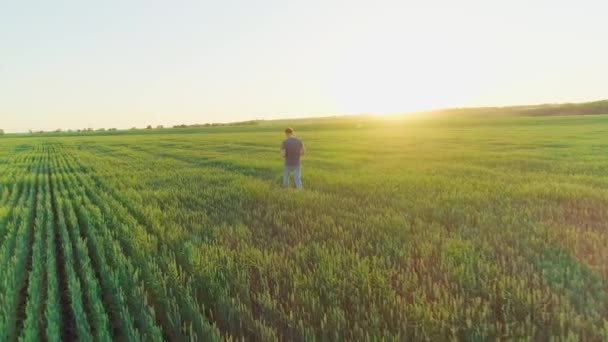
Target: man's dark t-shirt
<point>292,147</point>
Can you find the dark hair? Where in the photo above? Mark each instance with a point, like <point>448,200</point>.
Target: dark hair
<point>289,130</point>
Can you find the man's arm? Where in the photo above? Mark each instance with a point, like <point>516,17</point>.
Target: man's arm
<point>283,154</point>
<point>302,149</point>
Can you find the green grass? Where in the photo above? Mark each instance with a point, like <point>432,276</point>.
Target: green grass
<point>407,229</point>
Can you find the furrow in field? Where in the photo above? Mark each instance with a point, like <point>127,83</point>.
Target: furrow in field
<point>31,284</point>
<point>68,320</point>
<point>79,297</point>
<point>120,282</point>
<point>10,224</point>
<point>32,328</point>
<point>18,247</point>
<point>96,273</point>
<point>90,286</point>
<point>172,300</point>
<point>53,321</point>
<point>116,255</point>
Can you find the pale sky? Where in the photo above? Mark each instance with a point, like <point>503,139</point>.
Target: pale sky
<point>122,63</point>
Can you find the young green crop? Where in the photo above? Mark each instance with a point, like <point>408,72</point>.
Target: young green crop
<point>412,229</point>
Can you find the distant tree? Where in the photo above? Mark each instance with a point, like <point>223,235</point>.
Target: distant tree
<point>149,127</point>
<point>58,130</point>
<point>160,127</point>
<point>242,123</point>
<point>133,128</point>
<point>101,130</point>
<point>1,132</point>
<point>112,129</point>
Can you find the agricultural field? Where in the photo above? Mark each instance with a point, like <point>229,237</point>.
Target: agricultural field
<point>407,229</point>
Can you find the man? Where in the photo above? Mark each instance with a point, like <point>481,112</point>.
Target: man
<point>292,149</point>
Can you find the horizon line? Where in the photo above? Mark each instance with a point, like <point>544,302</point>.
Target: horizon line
<point>322,116</point>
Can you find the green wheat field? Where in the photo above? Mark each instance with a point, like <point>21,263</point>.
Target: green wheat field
<point>421,229</point>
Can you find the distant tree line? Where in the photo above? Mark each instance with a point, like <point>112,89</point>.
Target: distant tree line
<point>588,108</point>
<point>148,127</point>
<point>240,123</point>
<point>72,131</point>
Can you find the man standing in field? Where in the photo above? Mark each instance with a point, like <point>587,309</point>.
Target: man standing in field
<point>292,149</point>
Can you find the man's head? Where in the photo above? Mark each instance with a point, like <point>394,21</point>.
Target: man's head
<point>288,132</point>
